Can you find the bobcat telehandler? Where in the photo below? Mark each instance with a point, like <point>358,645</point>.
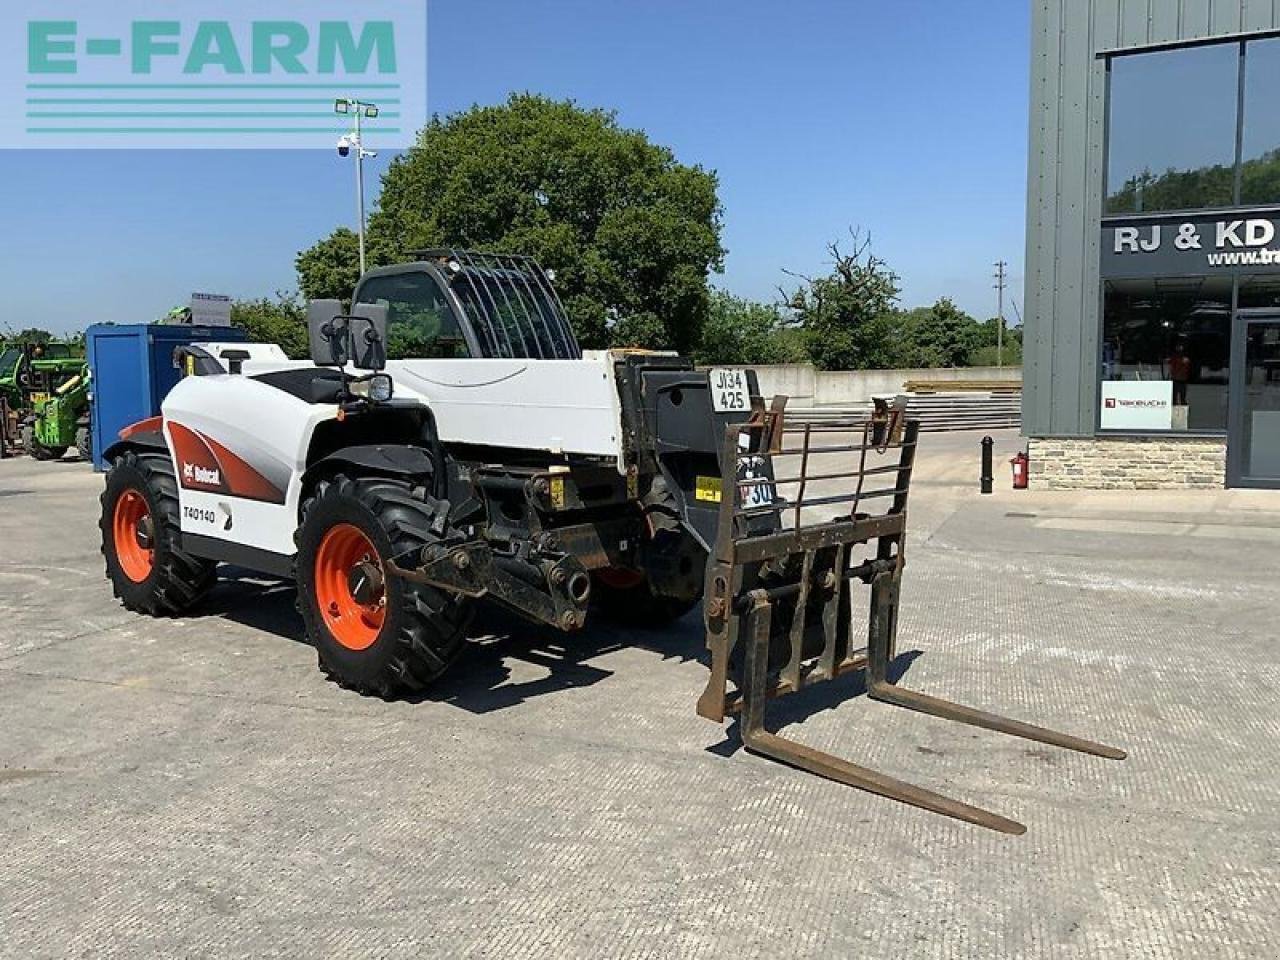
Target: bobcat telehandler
<point>505,464</point>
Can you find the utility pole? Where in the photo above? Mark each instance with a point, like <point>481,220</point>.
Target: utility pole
<point>1002,278</point>
<point>346,106</point>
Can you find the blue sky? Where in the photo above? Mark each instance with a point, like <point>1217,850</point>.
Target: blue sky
<point>907,117</point>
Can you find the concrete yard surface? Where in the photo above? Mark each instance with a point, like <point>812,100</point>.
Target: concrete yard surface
<point>195,788</point>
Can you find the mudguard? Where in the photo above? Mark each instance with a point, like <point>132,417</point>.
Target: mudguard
<point>144,435</point>
<point>394,460</point>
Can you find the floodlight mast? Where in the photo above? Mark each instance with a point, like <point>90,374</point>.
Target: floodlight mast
<point>358,109</point>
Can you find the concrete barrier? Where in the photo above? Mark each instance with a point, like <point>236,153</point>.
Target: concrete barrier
<point>808,387</point>
<point>795,380</point>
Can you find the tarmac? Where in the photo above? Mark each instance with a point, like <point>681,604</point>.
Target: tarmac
<point>195,788</point>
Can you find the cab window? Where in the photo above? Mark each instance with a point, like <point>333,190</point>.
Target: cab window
<point>420,323</point>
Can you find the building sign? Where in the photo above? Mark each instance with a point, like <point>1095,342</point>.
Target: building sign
<point>1137,405</point>
<point>210,310</point>
<point>1197,247</point>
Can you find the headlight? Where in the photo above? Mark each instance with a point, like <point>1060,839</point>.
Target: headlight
<point>380,388</point>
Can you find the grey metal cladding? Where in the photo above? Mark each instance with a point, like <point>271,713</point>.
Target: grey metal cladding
<point>1064,184</point>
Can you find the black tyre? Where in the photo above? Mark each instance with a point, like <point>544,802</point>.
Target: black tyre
<point>148,571</point>
<point>665,591</point>
<point>37,450</point>
<point>373,632</point>
<point>636,604</point>
<point>84,443</point>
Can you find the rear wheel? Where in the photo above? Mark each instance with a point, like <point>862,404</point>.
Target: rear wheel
<point>148,571</point>
<point>375,632</point>
<point>666,590</point>
<point>37,450</point>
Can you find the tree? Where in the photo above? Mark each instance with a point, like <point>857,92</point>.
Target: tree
<point>30,335</point>
<point>985,352</point>
<point>847,315</point>
<point>281,321</point>
<point>631,233</point>
<point>740,331</point>
<point>330,269</point>
<point>943,335</point>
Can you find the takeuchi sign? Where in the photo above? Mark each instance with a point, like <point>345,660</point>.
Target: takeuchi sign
<point>1245,244</point>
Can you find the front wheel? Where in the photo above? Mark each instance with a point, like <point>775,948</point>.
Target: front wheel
<point>148,570</point>
<point>375,632</point>
<point>37,450</point>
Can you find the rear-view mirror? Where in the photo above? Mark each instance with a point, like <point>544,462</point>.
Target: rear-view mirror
<point>327,333</point>
<point>369,336</point>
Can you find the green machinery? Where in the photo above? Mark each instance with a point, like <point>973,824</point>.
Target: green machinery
<point>60,419</point>
<point>44,399</point>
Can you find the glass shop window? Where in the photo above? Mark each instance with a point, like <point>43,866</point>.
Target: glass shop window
<point>1166,353</point>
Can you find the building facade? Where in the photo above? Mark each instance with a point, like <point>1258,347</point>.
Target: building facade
<point>1152,341</point>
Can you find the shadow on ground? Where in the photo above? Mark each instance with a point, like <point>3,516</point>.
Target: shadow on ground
<point>825,695</point>
<point>483,679</point>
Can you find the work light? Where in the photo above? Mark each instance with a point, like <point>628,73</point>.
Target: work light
<point>380,388</point>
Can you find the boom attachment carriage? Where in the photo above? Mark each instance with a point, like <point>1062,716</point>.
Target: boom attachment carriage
<point>778,609</point>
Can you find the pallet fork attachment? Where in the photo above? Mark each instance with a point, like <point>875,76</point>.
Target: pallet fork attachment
<point>778,609</point>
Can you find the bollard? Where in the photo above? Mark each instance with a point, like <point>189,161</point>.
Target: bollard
<point>988,477</point>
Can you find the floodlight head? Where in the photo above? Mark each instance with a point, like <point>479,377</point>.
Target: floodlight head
<point>370,110</point>
<point>342,106</point>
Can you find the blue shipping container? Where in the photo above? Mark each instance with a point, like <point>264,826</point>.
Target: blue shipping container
<point>133,371</point>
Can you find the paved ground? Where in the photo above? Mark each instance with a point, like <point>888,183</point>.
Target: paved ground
<point>194,788</point>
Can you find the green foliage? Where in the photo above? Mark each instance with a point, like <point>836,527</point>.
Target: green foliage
<point>638,330</point>
<point>740,331</point>
<point>415,331</point>
<point>939,336</point>
<point>1174,190</point>
<point>1260,179</point>
<point>281,321</point>
<point>847,315</point>
<point>29,335</point>
<point>631,233</point>
<point>985,354</point>
<point>850,321</point>
<point>330,269</point>
<point>1211,186</point>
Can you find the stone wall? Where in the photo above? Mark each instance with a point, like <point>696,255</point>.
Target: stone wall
<point>1128,463</point>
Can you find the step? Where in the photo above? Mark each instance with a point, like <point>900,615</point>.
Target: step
<point>939,412</point>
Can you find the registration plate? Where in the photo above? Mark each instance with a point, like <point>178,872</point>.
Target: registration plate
<point>729,392</point>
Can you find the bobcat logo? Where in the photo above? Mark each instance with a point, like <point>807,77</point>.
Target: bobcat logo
<point>194,473</point>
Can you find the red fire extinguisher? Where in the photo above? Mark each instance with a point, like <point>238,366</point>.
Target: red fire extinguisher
<point>1020,467</point>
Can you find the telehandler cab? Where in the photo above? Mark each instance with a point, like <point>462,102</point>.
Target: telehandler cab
<point>504,463</point>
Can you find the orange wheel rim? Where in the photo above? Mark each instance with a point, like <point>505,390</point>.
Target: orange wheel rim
<point>620,578</point>
<point>131,528</point>
<point>343,552</point>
